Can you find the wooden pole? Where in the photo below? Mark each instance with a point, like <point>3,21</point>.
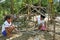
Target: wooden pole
<point>54,32</point>
<point>52,20</point>
<point>52,15</point>
<point>40,3</point>
<point>28,11</point>
<point>59,2</point>
<point>47,24</point>
<point>12,7</point>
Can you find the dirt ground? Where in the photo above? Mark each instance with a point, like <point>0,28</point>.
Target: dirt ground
<point>34,34</point>
<point>37,35</point>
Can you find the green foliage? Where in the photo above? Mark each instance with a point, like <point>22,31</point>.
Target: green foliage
<point>44,3</point>
<point>58,8</point>
<point>19,6</point>
<point>35,1</point>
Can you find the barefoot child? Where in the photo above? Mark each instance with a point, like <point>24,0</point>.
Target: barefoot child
<point>7,27</point>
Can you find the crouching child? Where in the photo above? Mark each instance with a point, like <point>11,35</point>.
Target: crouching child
<point>7,26</point>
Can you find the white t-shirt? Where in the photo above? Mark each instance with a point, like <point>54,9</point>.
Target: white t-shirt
<point>38,19</point>
<point>6,24</point>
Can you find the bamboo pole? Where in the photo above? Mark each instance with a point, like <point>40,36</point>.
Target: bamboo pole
<point>52,15</point>
<point>54,31</point>
<point>52,20</point>
<point>12,7</point>
<point>47,24</point>
<point>40,3</point>
<point>59,2</point>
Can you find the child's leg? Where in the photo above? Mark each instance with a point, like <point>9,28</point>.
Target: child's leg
<point>9,30</point>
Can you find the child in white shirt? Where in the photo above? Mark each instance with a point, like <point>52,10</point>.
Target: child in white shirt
<point>41,22</point>
<point>7,27</point>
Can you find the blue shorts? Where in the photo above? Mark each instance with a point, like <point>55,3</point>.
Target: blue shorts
<point>4,33</point>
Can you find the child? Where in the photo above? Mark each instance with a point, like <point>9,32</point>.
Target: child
<point>42,23</point>
<point>38,17</point>
<point>7,27</point>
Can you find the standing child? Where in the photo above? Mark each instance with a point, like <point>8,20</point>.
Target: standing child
<point>7,27</point>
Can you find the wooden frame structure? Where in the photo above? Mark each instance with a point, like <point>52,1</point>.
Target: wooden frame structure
<point>49,14</point>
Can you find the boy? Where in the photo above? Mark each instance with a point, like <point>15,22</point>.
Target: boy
<point>7,27</point>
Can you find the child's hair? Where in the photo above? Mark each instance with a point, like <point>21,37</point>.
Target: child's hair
<point>42,16</point>
<point>7,17</point>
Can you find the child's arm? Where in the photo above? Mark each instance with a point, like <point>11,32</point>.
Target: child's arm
<point>14,27</point>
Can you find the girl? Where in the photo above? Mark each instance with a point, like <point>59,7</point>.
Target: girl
<point>42,23</point>
<point>7,27</point>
